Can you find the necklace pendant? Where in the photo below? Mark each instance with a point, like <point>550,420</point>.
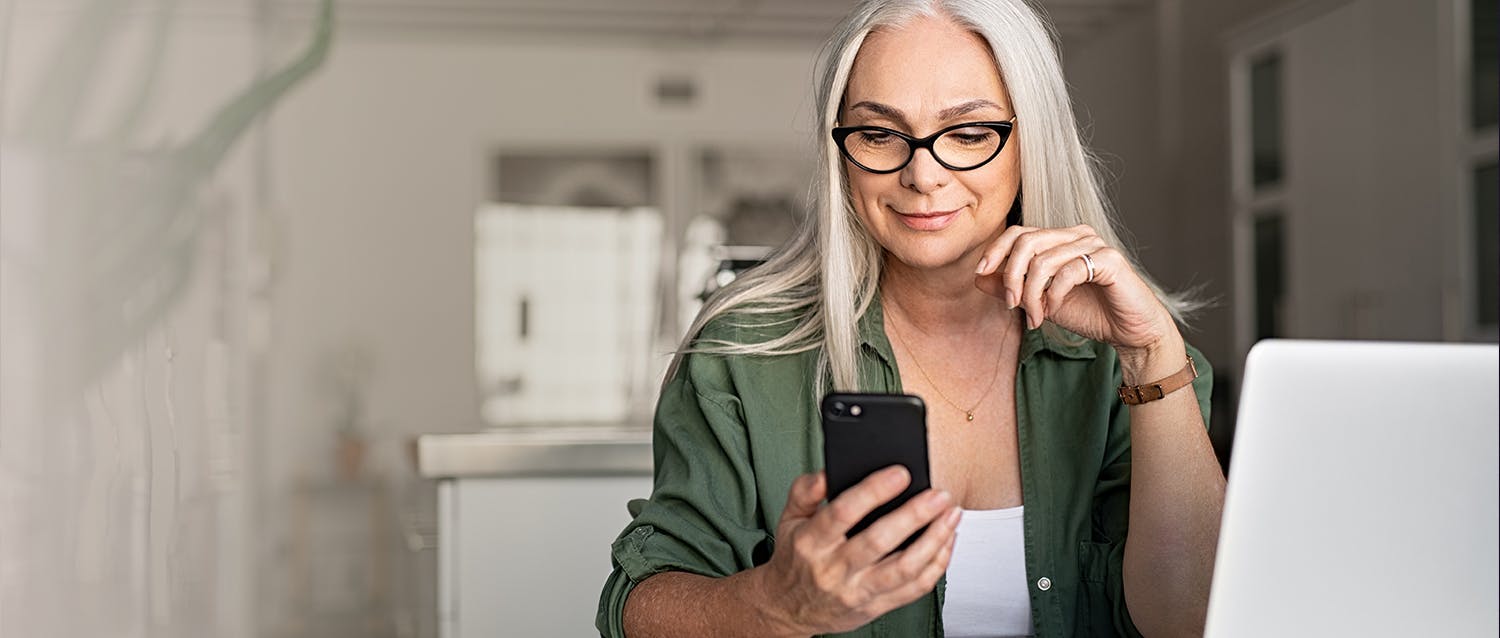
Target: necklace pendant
<point>970,415</point>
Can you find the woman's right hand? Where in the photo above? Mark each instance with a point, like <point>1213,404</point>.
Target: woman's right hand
<point>817,581</point>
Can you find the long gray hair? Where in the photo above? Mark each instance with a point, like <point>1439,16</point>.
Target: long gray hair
<point>825,278</point>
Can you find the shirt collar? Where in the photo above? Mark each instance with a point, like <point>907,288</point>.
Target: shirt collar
<point>872,336</point>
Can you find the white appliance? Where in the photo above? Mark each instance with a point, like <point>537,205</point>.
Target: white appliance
<point>566,305</point>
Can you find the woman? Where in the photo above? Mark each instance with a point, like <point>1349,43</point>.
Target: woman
<point>925,274</point>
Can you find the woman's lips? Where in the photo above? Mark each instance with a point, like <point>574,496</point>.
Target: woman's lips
<point>928,220</point>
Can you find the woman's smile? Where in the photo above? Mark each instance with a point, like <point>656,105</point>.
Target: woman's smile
<point>928,220</point>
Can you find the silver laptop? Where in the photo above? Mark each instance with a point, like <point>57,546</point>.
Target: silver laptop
<point>1364,493</point>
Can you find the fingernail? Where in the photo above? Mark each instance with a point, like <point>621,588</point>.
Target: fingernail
<point>943,497</point>
<point>983,263</point>
<point>955,515</point>
<point>1010,300</point>
<point>896,474</point>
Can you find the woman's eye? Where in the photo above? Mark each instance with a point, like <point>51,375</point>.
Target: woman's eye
<point>970,137</point>
<point>875,138</point>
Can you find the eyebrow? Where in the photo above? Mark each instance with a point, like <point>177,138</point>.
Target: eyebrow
<point>891,112</point>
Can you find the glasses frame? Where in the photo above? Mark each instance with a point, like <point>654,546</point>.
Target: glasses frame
<point>1003,129</point>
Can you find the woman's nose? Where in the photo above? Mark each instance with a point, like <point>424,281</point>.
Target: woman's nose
<point>923,173</point>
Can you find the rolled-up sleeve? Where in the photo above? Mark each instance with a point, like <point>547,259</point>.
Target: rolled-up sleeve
<point>1103,557</point>
<point>703,516</point>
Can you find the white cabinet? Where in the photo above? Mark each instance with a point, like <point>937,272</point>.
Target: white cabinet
<point>525,522</point>
<point>528,556</point>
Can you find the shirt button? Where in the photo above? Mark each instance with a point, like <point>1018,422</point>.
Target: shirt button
<point>1044,583</point>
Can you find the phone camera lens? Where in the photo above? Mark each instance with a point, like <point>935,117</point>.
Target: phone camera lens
<point>855,410</point>
<point>838,408</point>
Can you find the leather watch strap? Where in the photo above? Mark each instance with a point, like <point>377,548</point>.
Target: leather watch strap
<point>1148,392</point>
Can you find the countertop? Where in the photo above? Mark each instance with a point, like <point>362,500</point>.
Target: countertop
<point>538,450</point>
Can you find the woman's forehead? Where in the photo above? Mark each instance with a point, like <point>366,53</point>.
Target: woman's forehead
<point>924,66</point>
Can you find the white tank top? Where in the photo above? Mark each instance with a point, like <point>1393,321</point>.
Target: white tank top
<point>987,595</point>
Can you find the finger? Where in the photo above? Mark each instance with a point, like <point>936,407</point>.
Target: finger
<point>1108,264</point>
<point>804,496</point>
<point>1019,261</point>
<point>1043,270</point>
<point>928,578</point>
<point>911,573</point>
<point>886,534</point>
<point>847,509</point>
<point>1072,275</point>
<point>994,256</point>
<point>895,569</point>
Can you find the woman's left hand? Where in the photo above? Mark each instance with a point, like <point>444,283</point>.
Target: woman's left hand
<point>1042,271</point>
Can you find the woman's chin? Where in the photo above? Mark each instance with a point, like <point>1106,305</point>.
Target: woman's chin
<point>927,258</point>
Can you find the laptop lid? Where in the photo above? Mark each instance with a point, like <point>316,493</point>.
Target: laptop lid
<point>1364,493</point>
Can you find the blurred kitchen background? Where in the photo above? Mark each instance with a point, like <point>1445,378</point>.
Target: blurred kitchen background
<point>346,319</point>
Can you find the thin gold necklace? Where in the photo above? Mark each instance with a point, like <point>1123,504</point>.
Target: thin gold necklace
<point>969,413</point>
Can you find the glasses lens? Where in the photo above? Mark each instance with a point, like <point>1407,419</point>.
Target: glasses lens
<point>877,150</point>
<point>968,147</point>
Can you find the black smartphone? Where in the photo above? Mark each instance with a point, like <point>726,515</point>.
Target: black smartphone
<point>864,433</point>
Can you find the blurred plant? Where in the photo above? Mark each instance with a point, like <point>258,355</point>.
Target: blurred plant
<point>343,376</point>
<point>122,222</point>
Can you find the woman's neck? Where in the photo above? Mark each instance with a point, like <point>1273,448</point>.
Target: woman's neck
<point>942,301</point>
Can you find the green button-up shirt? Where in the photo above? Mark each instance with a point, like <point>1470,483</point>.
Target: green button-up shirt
<point>732,432</point>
